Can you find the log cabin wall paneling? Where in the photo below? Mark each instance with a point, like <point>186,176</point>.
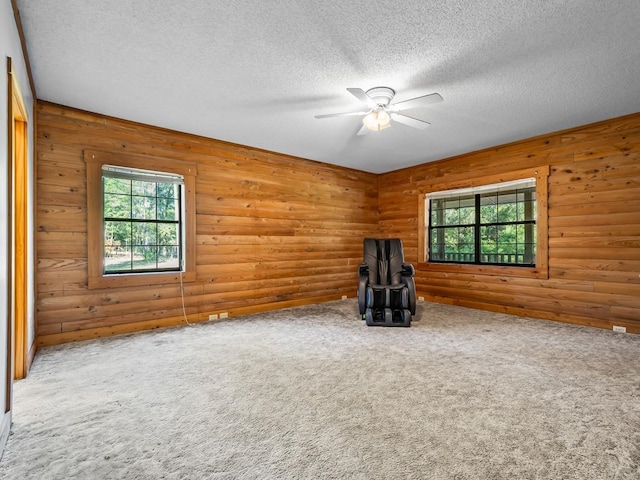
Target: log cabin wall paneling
<point>272,231</point>
<point>593,225</point>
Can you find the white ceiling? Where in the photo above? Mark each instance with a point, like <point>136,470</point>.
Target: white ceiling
<point>256,72</point>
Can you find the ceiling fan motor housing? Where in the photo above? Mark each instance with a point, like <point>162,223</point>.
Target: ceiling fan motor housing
<point>381,95</point>
<point>381,111</point>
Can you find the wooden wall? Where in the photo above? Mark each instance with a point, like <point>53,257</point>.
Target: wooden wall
<point>276,231</point>
<point>594,225</point>
<point>272,231</point>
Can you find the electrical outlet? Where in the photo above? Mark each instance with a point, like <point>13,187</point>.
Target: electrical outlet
<point>344,297</point>
<point>617,328</point>
<point>421,299</point>
<point>213,316</point>
<point>224,315</point>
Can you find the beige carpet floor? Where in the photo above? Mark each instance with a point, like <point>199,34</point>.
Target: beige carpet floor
<point>313,393</point>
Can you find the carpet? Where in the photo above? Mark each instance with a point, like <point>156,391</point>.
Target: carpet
<point>313,393</point>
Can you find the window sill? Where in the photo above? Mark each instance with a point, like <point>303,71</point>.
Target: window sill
<point>140,279</point>
<point>493,270</point>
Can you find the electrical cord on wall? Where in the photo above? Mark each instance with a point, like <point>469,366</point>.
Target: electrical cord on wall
<point>184,311</point>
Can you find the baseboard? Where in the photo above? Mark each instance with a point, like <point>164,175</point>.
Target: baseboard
<point>605,324</point>
<point>121,329</point>
<point>31,355</point>
<point>5,428</point>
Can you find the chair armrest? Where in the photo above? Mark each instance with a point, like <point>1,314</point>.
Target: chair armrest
<point>407,270</point>
<point>407,278</point>
<point>363,281</point>
<point>363,270</point>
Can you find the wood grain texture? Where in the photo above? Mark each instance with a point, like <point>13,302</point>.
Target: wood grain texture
<point>593,233</point>
<point>272,231</point>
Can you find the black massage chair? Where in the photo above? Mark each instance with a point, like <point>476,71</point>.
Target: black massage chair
<point>386,290</point>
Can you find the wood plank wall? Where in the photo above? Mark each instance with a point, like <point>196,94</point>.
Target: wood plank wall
<point>276,231</point>
<point>594,225</point>
<point>272,231</point>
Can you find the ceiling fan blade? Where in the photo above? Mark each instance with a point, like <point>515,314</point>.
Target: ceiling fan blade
<point>363,130</point>
<point>362,96</point>
<point>418,101</point>
<point>410,121</point>
<point>345,114</point>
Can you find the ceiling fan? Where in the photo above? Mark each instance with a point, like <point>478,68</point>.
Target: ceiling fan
<point>381,111</point>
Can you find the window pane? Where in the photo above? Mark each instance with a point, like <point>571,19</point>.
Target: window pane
<point>506,236</point>
<point>167,190</point>
<point>437,244</point>
<point>520,212</point>
<point>168,234</point>
<point>451,216</point>
<point>451,203</point>
<point>453,211</point>
<point>143,208</point>
<point>145,258</point>
<point>488,208</point>
<point>436,218</point>
<point>117,185</point>
<point>451,239</point>
<point>167,209</point>
<point>168,257</point>
<point>466,235</point>
<point>144,233</point>
<point>117,259</point>
<point>507,197</point>
<point>468,201</point>
<point>467,215</point>
<point>488,239</point>
<point>437,212</point>
<point>520,233</point>
<point>466,247</point>
<point>117,206</point>
<point>117,234</point>
<point>530,246</point>
<point>454,244</point>
<point>143,189</point>
<point>507,213</point>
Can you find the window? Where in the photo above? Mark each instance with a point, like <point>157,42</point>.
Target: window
<point>490,225</point>
<point>142,213</point>
<point>140,220</point>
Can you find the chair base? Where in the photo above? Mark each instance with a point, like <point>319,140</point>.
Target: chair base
<point>386,317</point>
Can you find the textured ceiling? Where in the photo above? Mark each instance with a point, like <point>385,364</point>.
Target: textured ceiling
<point>256,72</point>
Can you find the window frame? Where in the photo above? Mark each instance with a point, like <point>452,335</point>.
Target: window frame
<point>540,270</point>
<point>157,178</point>
<point>95,228</point>
<point>476,194</point>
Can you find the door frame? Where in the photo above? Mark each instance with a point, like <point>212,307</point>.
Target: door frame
<point>17,233</point>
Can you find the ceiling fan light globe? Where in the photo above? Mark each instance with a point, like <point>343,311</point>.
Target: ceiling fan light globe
<point>377,120</point>
<point>383,119</point>
<point>371,121</point>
